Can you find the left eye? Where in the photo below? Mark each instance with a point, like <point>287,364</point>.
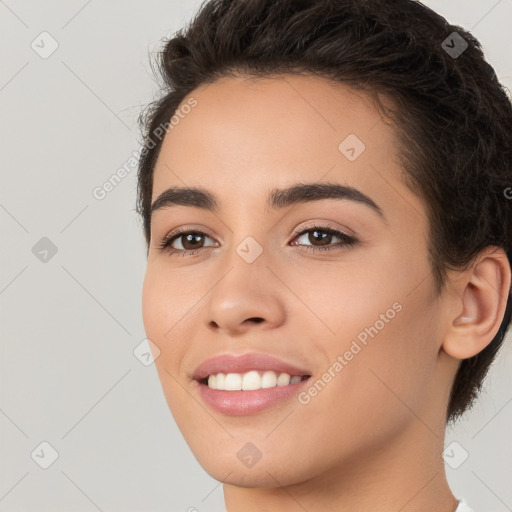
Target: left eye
<point>317,234</point>
<point>324,235</point>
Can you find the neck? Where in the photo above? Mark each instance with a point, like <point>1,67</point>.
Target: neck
<point>406,475</point>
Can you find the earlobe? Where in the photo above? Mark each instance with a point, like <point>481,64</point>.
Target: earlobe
<point>483,293</point>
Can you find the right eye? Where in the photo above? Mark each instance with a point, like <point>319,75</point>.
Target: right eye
<point>188,238</point>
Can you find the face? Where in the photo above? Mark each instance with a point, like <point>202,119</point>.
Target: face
<point>337,285</point>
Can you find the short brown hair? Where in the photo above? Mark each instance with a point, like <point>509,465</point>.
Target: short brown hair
<point>452,116</point>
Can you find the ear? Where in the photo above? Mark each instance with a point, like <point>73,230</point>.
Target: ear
<point>477,305</point>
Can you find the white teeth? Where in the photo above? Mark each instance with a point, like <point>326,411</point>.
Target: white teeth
<point>268,379</point>
<point>233,382</point>
<point>251,380</point>
<point>283,379</point>
<point>220,380</point>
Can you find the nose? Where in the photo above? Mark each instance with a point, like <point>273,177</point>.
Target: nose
<point>247,297</point>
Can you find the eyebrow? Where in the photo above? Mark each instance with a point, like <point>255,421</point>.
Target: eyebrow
<point>197,197</point>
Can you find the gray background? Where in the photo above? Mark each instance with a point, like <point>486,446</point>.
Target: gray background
<point>70,324</point>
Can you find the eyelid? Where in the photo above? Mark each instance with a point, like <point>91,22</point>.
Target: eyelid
<point>189,227</point>
<point>323,224</point>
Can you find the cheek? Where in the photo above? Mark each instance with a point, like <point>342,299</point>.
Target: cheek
<point>161,313</point>
<point>391,374</point>
<point>152,310</point>
<point>161,324</point>
<point>343,299</point>
<point>376,393</point>
<point>382,324</point>
<point>169,310</point>
<point>164,301</point>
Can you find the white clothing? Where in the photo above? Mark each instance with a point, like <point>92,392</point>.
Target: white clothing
<point>463,507</point>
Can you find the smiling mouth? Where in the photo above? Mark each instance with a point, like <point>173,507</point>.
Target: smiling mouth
<point>251,380</point>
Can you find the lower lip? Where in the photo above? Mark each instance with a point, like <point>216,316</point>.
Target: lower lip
<point>241,403</point>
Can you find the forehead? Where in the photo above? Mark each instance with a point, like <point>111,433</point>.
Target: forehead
<point>246,137</point>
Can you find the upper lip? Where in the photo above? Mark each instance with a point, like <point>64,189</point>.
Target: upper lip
<point>230,363</point>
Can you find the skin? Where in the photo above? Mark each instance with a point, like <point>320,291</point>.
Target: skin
<point>372,438</point>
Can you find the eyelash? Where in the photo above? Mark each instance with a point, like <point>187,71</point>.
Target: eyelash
<point>347,241</point>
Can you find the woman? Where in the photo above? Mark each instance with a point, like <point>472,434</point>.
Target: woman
<point>323,188</point>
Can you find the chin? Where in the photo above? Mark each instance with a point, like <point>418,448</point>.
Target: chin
<point>263,477</point>
<point>229,468</point>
